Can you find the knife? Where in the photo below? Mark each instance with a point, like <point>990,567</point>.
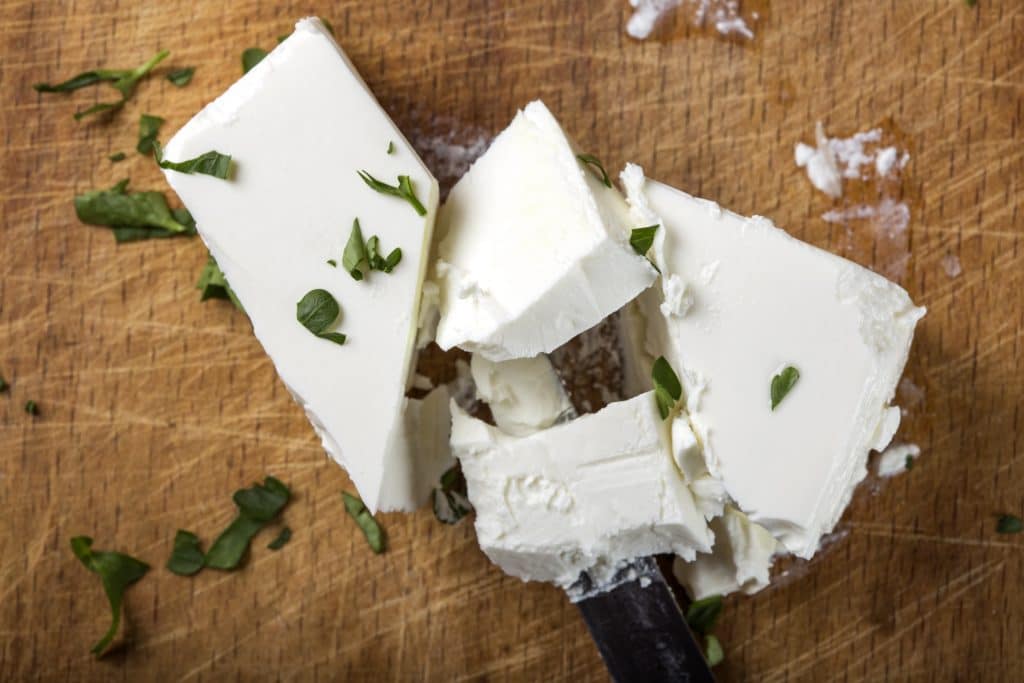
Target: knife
<point>639,628</point>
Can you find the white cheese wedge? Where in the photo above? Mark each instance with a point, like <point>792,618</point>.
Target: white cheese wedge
<point>761,301</point>
<point>524,394</point>
<point>584,496</point>
<point>299,126</point>
<point>740,560</point>
<point>532,247</point>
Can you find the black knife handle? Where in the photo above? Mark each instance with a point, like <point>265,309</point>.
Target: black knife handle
<point>641,632</point>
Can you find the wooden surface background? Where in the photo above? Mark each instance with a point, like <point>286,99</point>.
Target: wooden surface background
<point>155,407</point>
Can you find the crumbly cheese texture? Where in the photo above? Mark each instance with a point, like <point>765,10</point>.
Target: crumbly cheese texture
<point>524,394</point>
<point>584,496</point>
<point>740,560</point>
<point>533,248</point>
<point>299,126</point>
<point>761,301</point>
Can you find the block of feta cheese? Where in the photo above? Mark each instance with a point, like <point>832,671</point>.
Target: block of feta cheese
<point>532,247</point>
<point>739,561</point>
<point>740,301</point>
<point>299,127</point>
<point>524,394</point>
<point>584,496</point>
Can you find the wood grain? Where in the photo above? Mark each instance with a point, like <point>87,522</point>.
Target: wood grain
<point>155,407</point>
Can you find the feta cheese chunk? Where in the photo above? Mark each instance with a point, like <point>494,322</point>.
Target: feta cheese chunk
<point>424,453</point>
<point>299,126</point>
<point>763,301</point>
<point>740,560</point>
<point>524,394</point>
<point>532,247</point>
<point>584,496</point>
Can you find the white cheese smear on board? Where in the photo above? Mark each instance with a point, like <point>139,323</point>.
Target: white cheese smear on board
<point>723,15</point>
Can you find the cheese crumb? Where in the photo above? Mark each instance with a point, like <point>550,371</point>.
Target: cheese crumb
<point>893,460</point>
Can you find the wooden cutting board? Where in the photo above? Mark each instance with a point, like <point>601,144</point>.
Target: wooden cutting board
<point>155,407</point>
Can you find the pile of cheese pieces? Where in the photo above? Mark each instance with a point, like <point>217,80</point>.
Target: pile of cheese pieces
<point>531,249</point>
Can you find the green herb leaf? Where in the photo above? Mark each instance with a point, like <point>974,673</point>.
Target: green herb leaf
<point>181,77</point>
<point>135,215</point>
<point>124,80</point>
<point>593,161</point>
<point>257,506</point>
<point>702,614</point>
<point>1009,524</point>
<point>149,127</point>
<point>358,253</point>
<point>403,190</point>
<point>332,263</point>
<point>641,239</point>
<point>317,311</point>
<point>371,529</point>
<point>118,156</point>
<point>116,571</point>
<point>667,389</point>
<point>355,252</point>
<point>31,407</point>
<point>909,462</point>
<point>971,3</point>
<point>391,147</point>
<point>186,559</point>
<point>714,652</point>
<point>449,499</point>
<point>98,109</point>
<point>4,386</point>
<point>782,383</point>
<point>213,285</point>
<point>209,163</point>
<point>251,57</point>
<point>282,538</point>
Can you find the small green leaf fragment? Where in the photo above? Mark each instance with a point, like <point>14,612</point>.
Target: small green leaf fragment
<point>282,538</point>
<point>909,462</point>
<point>4,386</point>
<point>211,163</point>
<point>403,190</point>
<point>317,310</point>
<point>332,263</point>
<point>251,57</point>
<point>117,572</point>
<point>149,128</point>
<point>371,529</point>
<point>702,614</point>
<point>186,559</point>
<point>31,407</point>
<point>783,383</point>
<point>181,77</point>
<point>667,389</point>
<point>117,156</point>
<point>391,147</point>
<point>355,252</point>
<point>642,239</point>
<point>1009,524</point>
<point>213,285</point>
<point>134,215</point>
<point>714,652</point>
<point>257,505</point>
<point>327,25</point>
<point>594,162</point>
